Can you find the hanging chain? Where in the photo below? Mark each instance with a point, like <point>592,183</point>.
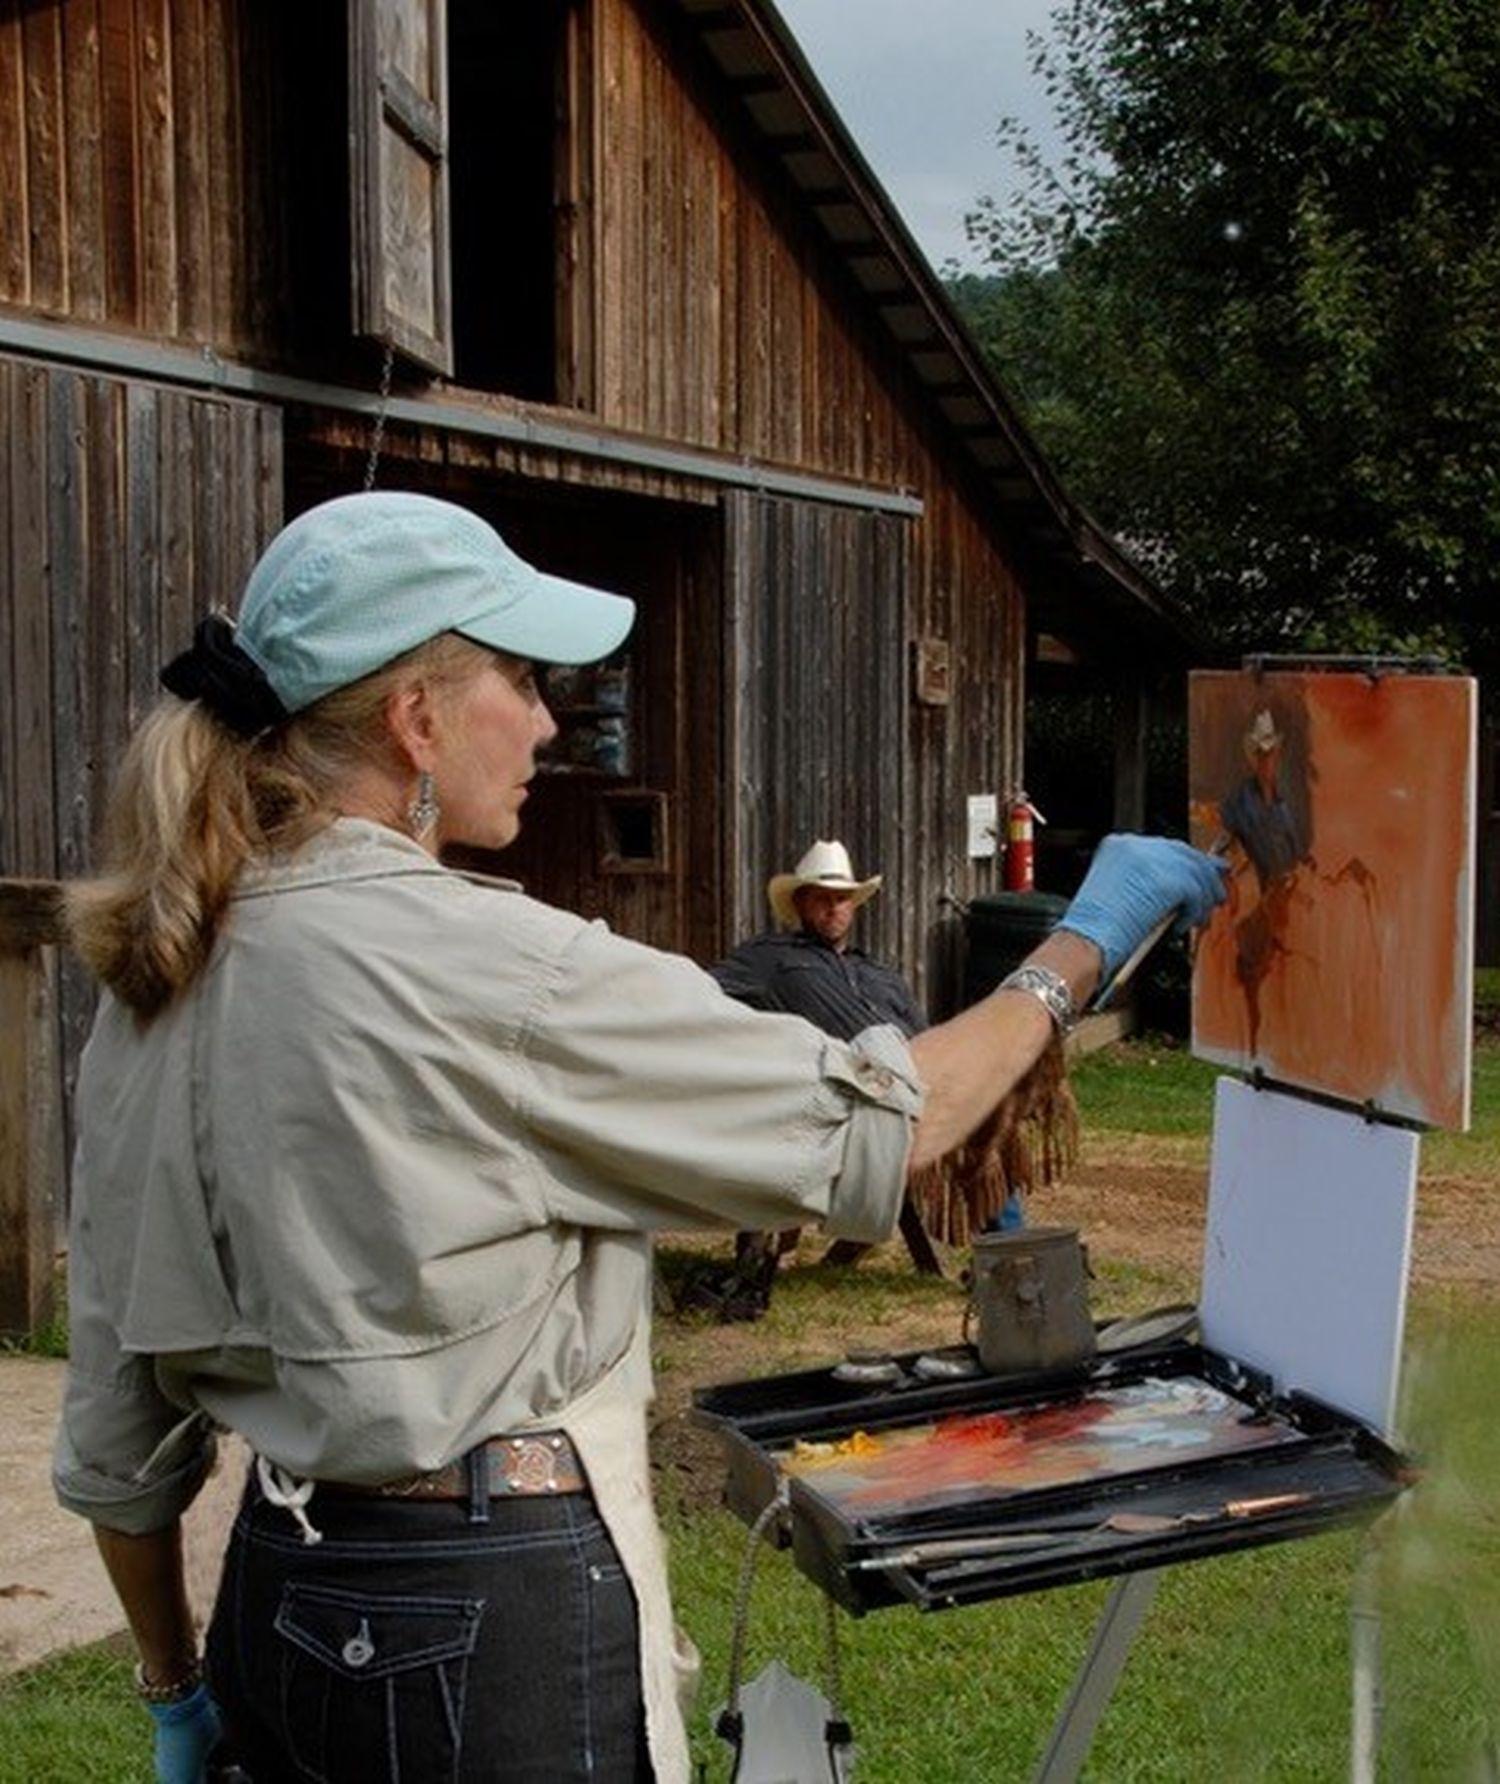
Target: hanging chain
<point>377,438</point>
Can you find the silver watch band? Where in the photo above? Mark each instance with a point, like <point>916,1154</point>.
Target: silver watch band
<point>1051,991</point>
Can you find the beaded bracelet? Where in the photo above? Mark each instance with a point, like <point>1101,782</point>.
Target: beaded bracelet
<point>173,1690</point>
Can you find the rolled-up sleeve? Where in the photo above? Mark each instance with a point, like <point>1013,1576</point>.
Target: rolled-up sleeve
<point>125,1456</point>
<point>654,1100</point>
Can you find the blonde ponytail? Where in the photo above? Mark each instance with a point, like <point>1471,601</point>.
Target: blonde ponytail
<point>193,803</point>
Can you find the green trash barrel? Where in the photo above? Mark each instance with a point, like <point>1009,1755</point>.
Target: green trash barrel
<point>1000,930</point>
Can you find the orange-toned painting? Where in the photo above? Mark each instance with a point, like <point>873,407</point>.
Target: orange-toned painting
<point>1342,960</point>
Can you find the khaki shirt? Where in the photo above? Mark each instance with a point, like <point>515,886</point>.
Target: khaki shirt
<point>382,1183</point>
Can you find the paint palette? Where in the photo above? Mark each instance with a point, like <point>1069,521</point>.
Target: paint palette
<point>945,1493</point>
<point>967,1458</point>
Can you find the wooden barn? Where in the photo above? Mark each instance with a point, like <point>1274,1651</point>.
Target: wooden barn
<point>612,273</point>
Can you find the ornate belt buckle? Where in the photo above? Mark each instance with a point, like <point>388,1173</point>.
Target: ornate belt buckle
<point>529,1464</point>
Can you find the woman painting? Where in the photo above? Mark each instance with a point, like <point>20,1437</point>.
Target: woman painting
<point>369,1157</point>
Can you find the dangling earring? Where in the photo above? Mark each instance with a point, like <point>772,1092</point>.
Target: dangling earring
<point>422,815</point>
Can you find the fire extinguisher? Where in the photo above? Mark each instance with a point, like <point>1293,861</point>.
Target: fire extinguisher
<point>1020,844</point>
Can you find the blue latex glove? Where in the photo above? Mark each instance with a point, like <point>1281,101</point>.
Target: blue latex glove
<point>186,1733</point>
<point>1135,881</point>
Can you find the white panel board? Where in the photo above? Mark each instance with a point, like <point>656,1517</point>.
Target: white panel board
<point>984,825</point>
<point>1308,1246</point>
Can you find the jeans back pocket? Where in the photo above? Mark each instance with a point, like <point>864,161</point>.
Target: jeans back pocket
<point>372,1684</point>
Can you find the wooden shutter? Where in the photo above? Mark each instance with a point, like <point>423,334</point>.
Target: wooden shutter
<point>398,142</point>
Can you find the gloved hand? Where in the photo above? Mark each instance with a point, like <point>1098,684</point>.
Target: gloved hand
<point>1132,883</point>
<point>186,1732</point>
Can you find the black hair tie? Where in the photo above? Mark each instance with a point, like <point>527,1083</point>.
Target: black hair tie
<point>231,684</point>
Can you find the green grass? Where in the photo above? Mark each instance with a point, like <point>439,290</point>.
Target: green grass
<point>74,1721</point>
<point>1145,1087</point>
<point>1155,1087</point>
<point>1246,1655</point>
<point>1476,1153</point>
<point>49,1340</point>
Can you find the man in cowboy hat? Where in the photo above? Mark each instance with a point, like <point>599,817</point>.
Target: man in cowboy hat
<point>809,967</point>
<point>1256,815</point>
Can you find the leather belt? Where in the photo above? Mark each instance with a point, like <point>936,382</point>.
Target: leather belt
<point>540,1463</point>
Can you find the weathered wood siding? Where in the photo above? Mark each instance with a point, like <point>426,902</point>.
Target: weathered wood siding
<point>150,151</point>
<point>723,319</point>
<point>126,511</point>
<point>180,168</point>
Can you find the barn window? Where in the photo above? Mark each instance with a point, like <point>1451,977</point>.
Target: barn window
<point>470,188</point>
<point>505,74</point>
<point>633,833</point>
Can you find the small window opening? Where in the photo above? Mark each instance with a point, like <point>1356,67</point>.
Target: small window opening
<point>504,76</point>
<point>633,833</point>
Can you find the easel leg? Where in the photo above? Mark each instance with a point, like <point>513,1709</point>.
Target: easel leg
<point>1094,1684</point>
<point>1364,1648</point>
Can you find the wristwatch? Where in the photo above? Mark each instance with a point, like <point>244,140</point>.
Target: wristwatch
<point>1050,990</point>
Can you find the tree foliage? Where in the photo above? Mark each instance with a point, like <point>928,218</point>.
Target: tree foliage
<point>1254,312</point>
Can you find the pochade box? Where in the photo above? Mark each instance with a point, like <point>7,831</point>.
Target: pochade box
<point>1338,976</point>
<point>947,1493</point>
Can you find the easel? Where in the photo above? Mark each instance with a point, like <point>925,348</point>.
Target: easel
<point>1287,1175</point>
<point>1259,1282</point>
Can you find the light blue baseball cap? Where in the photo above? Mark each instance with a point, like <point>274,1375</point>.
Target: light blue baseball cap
<point>355,582</point>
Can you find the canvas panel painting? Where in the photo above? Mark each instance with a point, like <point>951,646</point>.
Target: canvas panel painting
<point>1342,960</point>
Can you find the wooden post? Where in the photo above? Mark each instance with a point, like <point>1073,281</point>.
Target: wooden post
<point>1130,710</point>
<point>1487,943</point>
<point>31,1115</point>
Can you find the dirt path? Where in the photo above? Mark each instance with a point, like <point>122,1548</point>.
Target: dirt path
<point>53,1592</point>
<point>1143,1202</point>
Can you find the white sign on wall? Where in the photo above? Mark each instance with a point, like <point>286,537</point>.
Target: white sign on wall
<point>984,823</point>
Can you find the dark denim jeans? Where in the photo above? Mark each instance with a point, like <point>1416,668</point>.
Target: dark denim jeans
<point>415,1646</point>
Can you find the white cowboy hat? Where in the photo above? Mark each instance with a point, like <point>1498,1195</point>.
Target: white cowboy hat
<point>825,864</point>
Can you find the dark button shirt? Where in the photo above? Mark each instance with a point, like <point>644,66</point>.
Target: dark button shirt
<point>843,993</point>
<point>1265,829</point>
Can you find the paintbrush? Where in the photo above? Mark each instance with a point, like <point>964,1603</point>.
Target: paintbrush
<point>1120,1523</point>
<point>1218,848</point>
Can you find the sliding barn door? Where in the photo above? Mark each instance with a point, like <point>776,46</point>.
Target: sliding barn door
<point>817,726</point>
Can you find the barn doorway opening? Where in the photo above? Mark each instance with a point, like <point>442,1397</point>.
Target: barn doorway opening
<point>505,123</point>
<point>627,819</point>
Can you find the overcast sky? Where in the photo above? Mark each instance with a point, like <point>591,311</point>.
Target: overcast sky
<point>921,85</point>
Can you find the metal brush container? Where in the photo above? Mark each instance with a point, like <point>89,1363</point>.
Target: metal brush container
<point>1031,1300</point>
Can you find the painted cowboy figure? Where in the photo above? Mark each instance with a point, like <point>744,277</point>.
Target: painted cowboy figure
<point>1256,814</point>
